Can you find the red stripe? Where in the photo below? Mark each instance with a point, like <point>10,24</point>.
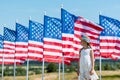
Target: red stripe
<point>35,45</point>
<point>35,51</point>
<point>67,38</point>
<point>52,50</point>
<point>18,51</point>
<point>35,58</point>
<point>21,46</point>
<point>109,40</point>
<point>9,44</point>
<point>96,27</point>
<point>85,31</point>
<point>52,43</point>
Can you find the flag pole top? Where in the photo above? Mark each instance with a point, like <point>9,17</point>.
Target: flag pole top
<point>44,12</point>
<point>61,5</point>
<point>29,17</point>
<point>16,20</point>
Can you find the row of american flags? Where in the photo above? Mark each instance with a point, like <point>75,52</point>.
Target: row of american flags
<point>59,37</point>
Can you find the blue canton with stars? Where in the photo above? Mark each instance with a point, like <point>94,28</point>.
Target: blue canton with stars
<point>53,27</point>
<point>68,20</point>
<point>1,41</point>
<point>9,35</point>
<point>21,33</point>
<point>111,26</point>
<point>36,31</point>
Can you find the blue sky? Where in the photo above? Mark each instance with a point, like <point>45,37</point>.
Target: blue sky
<point>10,10</point>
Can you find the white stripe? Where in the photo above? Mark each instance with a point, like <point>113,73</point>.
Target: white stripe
<point>52,53</point>
<point>21,55</point>
<point>9,46</point>
<point>68,35</point>
<point>35,55</point>
<point>86,28</point>
<point>68,50</point>
<point>35,49</point>
<point>6,50</point>
<point>9,55</point>
<point>109,38</point>
<point>35,42</point>
<point>68,42</point>
<point>89,34</point>
<point>21,43</point>
<point>21,49</point>
<point>107,44</point>
<point>52,40</point>
<point>8,42</point>
<point>53,47</point>
<point>109,50</point>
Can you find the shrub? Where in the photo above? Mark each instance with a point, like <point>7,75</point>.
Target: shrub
<point>52,67</point>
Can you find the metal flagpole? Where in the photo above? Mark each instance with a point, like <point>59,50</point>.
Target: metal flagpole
<point>3,66</point>
<point>43,69</point>
<point>63,67</point>
<point>15,61</point>
<point>27,70</point>
<point>100,66</point>
<point>59,71</point>
<point>43,61</point>
<point>100,55</point>
<point>62,59</point>
<point>3,61</point>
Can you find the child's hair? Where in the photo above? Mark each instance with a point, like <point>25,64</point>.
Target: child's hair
<point>89,45</point>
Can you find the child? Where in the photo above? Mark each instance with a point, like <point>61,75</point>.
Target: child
<point>86,61</point>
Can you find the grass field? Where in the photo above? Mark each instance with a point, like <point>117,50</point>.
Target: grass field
<point>106,75</point>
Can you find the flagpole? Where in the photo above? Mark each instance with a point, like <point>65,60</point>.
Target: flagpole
<point>63,67</point>
<point>43,69</point>
<point>59,71</point>
<point>100,66</point>
<point>43,61</point>
<point>3,66</point>
<point>3,61</point>
<point>27,70</point>
<point>100,57</point>
<point>15,62</point>
<point>62,59</point>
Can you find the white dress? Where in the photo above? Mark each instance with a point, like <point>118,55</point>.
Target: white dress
<point>85,66</point>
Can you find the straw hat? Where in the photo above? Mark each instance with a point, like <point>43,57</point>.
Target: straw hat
<point>85,38</point>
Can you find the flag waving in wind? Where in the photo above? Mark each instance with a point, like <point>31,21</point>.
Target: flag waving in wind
<point>68,20</point>
<point>35,47</point>
<point>110,37</point>
<point>9,45</point>
<point>52,39</point>
<point>86,27</point>
<point>21,42</point>
<point>1,49</point>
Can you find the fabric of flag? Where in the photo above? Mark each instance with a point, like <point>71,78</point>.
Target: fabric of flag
<point>92,30</point>
<point>68,20</point>
<point>52,39</point>
<point>35,45</point>
<point>9,46</point>
<point>21,42</point>
<point>1,49</point>
<point>110,37</point>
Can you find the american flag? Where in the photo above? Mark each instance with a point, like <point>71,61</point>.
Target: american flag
<point>1,49</point>
<point>52,39</point>
<point>110,37</point>
<point>21,42</point>
<point>68,20</point>
<point>86,27</point>
<point>9,46</point>
<point>35,45</point>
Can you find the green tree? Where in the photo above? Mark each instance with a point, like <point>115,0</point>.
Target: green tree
<point>52,67</point>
